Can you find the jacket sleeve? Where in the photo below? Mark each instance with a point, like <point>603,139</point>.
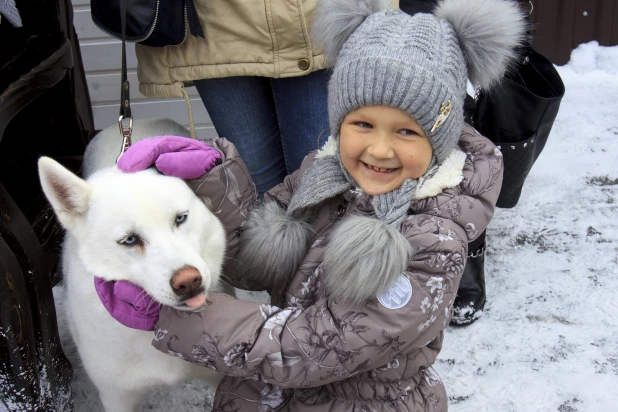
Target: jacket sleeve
<point>228,192</point>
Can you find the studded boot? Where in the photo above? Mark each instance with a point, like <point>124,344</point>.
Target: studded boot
<point>470,299</point>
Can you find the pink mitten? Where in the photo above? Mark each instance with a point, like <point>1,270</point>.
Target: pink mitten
<point>172,155</point>
<point>128,303</point>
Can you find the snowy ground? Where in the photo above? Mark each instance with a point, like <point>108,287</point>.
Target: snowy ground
<point>548,340</point>
<point>549,337</point>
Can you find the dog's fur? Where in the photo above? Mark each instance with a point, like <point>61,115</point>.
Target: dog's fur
<point>99,212</point>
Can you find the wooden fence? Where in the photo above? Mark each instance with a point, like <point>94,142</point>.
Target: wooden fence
<point>561,25</point>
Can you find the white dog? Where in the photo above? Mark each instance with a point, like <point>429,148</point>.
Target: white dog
<point>146,228</point>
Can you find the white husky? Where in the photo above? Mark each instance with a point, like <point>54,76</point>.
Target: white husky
<point>146,228</point>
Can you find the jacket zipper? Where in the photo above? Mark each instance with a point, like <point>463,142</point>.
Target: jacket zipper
<point>342,209</point>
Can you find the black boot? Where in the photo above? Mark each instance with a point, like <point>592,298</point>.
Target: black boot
<point>470,298</point>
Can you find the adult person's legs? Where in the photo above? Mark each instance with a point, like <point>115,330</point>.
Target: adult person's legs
<point>303,114</point>
<point>274,123</point>
<point>242,110</point>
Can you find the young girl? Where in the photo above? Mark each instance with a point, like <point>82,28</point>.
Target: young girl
<point>363,247</point>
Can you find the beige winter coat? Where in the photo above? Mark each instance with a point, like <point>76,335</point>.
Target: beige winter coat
<point>269,38</point>
<point>313,353</point>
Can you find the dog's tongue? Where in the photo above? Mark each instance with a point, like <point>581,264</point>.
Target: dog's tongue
<point>196,301</point>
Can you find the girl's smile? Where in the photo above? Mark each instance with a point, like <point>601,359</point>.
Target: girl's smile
<point>378,169</point>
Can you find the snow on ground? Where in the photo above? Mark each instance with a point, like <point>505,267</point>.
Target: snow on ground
<point>548,340</point>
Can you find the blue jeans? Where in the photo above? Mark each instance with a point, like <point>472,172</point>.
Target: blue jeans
<point>274,123</point>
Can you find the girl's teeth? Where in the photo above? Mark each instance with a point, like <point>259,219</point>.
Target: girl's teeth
<point>379,169</point>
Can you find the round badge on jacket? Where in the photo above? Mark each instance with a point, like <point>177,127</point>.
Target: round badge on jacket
<point>398,294</point>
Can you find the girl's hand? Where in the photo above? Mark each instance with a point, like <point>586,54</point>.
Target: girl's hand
<point>172,155</point>
<point>128,303</point>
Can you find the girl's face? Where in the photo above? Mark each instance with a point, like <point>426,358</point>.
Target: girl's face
<point>381,147</point>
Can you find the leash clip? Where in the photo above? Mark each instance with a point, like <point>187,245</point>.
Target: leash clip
<point>125,131</point>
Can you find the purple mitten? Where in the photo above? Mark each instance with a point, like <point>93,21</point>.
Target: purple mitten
<point>128,303</point>
<point>176,156</point>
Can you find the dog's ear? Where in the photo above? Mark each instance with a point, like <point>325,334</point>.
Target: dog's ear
<point>67,193</point>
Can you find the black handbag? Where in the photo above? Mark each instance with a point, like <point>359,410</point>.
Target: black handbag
<point>155,23</point>
<point>518,116</point>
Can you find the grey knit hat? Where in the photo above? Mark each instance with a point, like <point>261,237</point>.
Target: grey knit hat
<point>419,64</point>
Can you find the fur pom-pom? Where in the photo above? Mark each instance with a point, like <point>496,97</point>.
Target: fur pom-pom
<point>488,31</point>
<point>336,20</point>
<point>272,246</point>
<point>364,256</point>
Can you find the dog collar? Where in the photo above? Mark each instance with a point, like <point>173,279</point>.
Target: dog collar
<point>128,303</point>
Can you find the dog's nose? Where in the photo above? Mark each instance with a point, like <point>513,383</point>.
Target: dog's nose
<point>186,280</point>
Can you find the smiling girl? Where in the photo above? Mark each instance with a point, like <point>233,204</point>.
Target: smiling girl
<point>364,246</point>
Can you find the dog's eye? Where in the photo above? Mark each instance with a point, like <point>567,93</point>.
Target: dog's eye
<point>181,218</point>
<point>131,240</point>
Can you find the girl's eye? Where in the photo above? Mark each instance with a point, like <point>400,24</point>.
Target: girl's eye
<point>364,125</point>
<point>408,132</point>
<point>131,240</point>
<point>180,219</point>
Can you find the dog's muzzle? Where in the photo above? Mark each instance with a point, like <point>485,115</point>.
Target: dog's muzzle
<point>187,283</point>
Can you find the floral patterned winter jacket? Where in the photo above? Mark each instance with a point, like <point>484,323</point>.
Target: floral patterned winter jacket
<point>308,352</point>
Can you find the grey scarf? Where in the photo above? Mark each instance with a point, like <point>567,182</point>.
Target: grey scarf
<point>327,178</point>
